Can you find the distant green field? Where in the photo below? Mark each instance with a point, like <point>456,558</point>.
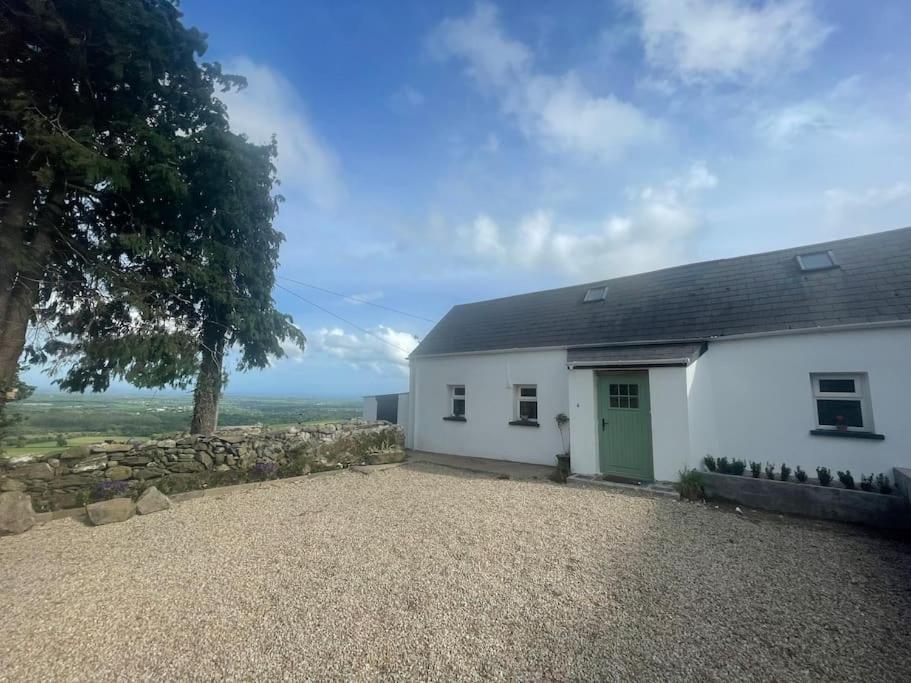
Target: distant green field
<point>51,446</point>
<point>93,418</point>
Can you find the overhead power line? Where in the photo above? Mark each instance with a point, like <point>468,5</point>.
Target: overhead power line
<point>344,320</point>
<point>354,298</point>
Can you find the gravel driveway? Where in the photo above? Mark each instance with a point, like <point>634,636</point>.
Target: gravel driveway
<point>423,572</point>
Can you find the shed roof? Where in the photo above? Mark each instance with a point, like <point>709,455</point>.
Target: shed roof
<point>700,301</point>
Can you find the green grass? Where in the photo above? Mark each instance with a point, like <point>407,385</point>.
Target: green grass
<point>42,447</point>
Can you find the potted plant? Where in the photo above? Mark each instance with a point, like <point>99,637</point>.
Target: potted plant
<point>563,458</point>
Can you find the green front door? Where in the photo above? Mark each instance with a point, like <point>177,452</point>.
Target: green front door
<point>625,425</point>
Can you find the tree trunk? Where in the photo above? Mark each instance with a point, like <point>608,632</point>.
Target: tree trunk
<point>12,241</point>
<point>23,279</point>
<point>209,382</point>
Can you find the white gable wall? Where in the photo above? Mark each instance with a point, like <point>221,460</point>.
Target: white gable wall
<point>490,380</point>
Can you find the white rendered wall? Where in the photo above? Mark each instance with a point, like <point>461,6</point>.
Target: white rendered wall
<point>752,399</point>
<point>583,422</point>
<point>489,381</point>
<point>369,411</point>
<point>670,421</point>
<point>403,414</point>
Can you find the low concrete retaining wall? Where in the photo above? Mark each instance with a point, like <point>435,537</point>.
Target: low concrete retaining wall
<point>820,502</point>
<point>188,462</point>
<point>902,478</point>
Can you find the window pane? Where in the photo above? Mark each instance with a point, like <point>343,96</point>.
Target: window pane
<point>458,391</point>
<point>815,261</point>
<point>624,389</point>
<point>528,391</point>
<point>528,410</point>
<point>614,402</point>
<point>458,407</point>
<point>624,401</point>
<point>633,389</point>
<point>633,401</point>
<point>836,386</point>
<point>614,389</point>
<point>830,410</point>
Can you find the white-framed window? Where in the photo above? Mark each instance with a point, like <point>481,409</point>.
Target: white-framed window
<point>527,402</point>
<point>457,400</point>
<point>841,401</point>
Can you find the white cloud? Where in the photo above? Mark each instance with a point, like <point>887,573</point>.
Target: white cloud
<point>270,105</point>
<point>384,351</point>
<point>365,297</point>
<point>791,123</point>
<point>558,112</point>
<point>871,208</point>
<point>652,234</point>
<point>702,41</point>
<point>492,58</point>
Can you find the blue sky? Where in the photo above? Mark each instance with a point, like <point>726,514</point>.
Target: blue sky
<point>439,153</point>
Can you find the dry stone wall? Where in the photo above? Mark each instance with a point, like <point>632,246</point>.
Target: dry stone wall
<point>85,473</point>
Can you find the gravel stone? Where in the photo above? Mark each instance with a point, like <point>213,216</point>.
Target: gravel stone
<point>430,573</point>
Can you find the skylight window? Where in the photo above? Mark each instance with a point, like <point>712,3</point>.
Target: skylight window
<point>595,294</point>
<point>818,260</point>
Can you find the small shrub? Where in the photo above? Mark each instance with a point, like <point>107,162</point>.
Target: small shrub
<point>84,497</point>
<point>883,484</point>
<point>755,469</point>
<point>61,440</point>
<point>105,490</point>
<point>800,475</point>
<point>866,483</point>
<point>690,485</point>
<point>769,470</point>
<point>737,467</point>
<point>264,470</point>
<point>824,474</point>
<point>785,472</point>
<point>846,479</point>
<point>709,463</point>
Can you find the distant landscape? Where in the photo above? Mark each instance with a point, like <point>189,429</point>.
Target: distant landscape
<point>54,421</point>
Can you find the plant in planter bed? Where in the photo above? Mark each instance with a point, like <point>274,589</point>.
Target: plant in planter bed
<point>709,463</point>
<point>769,470</point>
<point>824,474</point>
<point>800,475</point>
<point>846,479</point>
<point>690,485</point>
<point>785,472</point>
<point>755,469</point>
<point>866,483</point>
<point>882,483</point>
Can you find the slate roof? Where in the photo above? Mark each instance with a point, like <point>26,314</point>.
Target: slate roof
<point>636,354</point>
<point>699,301</point>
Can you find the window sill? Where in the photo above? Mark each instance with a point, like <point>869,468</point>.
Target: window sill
<point>524,423</point>
<point>849,435</point>
<point>455,418</point>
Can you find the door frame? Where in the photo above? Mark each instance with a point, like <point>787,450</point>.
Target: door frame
<point>604,376</point>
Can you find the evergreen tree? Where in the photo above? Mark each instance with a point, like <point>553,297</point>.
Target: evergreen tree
<point>215,274</point>
<point>95,99</point>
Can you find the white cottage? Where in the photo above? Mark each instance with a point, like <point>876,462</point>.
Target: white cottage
<point>800,356</point>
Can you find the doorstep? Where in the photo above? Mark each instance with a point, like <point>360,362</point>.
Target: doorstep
<point>657,488</point>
